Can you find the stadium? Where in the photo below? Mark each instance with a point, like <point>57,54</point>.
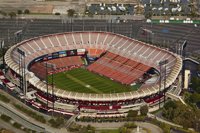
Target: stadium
<point>96,74</point>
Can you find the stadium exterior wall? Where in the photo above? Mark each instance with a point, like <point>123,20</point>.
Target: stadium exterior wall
<point>175,68</point>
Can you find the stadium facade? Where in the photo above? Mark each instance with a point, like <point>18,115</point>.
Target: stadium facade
<point>21,56</point>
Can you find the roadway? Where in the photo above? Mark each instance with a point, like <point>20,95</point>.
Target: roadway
<point>23,120</point>
<point>5,125</point>
<point>27,121</point>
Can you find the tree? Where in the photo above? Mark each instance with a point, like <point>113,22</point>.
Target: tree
<point>168,113</point>
<point>123,130</point>
<point>198,68</point>
<point>90,14</point>
<point>132,113</point>
<point>70,12</point>
<point>195,84</point>
<point>12,14</point>
<point>193,14</point>
<point>26,11</point>
<point>130,125</point>
<point>3,13</point>
<point>194,98</point>
<point>90,129</point>
<point>19,11</point>
<point>56,123</point>
<point>181,114</point>
<point>144,110</point>
<point>57,13</point>
<point>148,15</point>
<point>170,104</point>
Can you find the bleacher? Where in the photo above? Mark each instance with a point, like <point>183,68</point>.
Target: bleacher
<point>59,65</point>
<point>119,68</point>
<point>95,52</point>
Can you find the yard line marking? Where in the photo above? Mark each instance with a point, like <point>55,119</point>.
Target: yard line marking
<point>82,83</point>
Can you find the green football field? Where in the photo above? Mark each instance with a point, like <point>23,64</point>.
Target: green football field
<point>82,80</point>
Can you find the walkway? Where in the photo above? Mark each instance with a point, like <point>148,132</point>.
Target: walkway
<point>162,120</point>
<point>114,125</point>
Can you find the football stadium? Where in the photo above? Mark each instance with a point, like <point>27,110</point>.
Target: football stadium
<point>96,74</point>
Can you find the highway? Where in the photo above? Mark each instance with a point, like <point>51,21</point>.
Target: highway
<point>26,120</point>
<point>5,125</point>
<point>20,119</point>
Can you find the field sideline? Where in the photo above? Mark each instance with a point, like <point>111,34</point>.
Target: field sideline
<point>84,81</point>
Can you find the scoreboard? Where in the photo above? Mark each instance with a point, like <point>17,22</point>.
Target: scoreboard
<point>72,52</point>
<point>55,55</point>
<point>80,51</point>
<point>62,53</point>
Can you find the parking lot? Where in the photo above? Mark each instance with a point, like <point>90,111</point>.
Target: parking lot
<point>165,35</point>
<point>167,7</point>
<point>110,9</point>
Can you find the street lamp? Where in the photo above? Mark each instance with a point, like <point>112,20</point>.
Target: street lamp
<point>162,63</point>
<point>18,36</point>
<point>149,34</point>
<point>22,70</point>
<point>2,48</point>
<point>52,80</point>
<point>52,83</point>
<point>63,21</point>
<point>47,83</point>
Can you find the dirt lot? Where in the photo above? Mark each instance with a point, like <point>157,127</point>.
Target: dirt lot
<point>35,6</point>
<point>42,6</point>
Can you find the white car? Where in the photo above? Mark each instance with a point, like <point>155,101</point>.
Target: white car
<point>198,74</point>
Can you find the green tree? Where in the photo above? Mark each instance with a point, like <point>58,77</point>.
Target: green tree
<point>198,68</point>
<point>12,14</point>
<point>17,125</point>
<point>90,128</point>
<point>144,110</point>
<point>3,13</point>
<point>132,113</point>
<point>194,98</point>
<point>170,104</point>
<point>19,11</point>
<point>148,15</point>
<point>123,130</point>
<point>56,122</point>
<point>5,118</point>
<point>26,11</point>
<point>181,114</point>
<point>57,13</point>
<point>4,98</point>
<point>195,84</point>
<point>70,12</point>
<point>168,113</point>
<point>130,125</point>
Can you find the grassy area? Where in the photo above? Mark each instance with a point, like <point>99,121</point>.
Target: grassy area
<point>4,99</point>
<point>55,0</point>
<point>108,131</point>
<point>81,80</point>
<point>30,113</point>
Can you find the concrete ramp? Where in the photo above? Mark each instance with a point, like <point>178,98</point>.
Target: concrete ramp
<point>175,97</point>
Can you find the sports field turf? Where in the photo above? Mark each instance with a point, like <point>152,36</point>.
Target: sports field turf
<point>82,80</point>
